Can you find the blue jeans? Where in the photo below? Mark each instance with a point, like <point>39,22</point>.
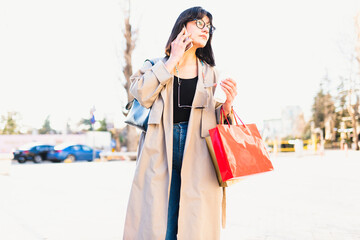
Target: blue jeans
<point>179,137</point>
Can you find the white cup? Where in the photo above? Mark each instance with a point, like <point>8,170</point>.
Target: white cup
<point>219,94</point>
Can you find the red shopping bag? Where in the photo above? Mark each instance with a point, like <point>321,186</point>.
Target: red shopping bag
<point>239,150</point>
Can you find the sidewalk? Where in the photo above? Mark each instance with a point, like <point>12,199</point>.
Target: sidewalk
<point>5,163</point>
<point>311,197</point>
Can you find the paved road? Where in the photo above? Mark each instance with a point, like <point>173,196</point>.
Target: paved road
<point>311,197</point>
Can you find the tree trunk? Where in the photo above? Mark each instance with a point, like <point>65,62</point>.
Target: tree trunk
<point>355,132</point>
<point>354,112</point>
<point>355,123</point>
<point>117,141</point>
<point>132,135</point>
<point>132,139</point>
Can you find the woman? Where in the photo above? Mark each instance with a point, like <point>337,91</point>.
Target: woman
<point>175,193</point>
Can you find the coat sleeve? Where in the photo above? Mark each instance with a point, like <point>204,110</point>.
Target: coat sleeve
<point>147,82</point>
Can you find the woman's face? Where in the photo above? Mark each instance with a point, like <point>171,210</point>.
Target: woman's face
<point>199,36</point>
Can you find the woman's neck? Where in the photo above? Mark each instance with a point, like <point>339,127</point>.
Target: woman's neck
<point>189,58</point>
<point>187,66</point>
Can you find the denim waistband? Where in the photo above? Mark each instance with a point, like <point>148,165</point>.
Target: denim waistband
<point>181,125</point>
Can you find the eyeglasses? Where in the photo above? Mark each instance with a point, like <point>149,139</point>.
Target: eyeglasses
<point>201,24</point>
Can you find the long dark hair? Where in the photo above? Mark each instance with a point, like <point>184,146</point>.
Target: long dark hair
<point>206,53</point>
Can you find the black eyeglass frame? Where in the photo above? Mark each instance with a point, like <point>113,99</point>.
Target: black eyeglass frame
<point>209,26</point>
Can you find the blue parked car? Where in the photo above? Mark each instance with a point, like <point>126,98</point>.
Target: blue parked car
<point>36,152</point>
<point>72,153</point>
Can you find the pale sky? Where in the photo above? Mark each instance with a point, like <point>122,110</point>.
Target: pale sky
<point>60,58</point>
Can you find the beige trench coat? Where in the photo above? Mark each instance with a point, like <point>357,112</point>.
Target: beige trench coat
<point>200,196</point>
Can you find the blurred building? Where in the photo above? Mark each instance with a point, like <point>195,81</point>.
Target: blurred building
<point>291,124</point>
<point>272,129</point>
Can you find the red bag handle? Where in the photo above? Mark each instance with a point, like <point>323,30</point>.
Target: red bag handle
<point>237,117</point>
<point>222,112</point>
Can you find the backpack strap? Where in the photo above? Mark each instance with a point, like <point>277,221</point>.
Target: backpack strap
<point>152,63</point>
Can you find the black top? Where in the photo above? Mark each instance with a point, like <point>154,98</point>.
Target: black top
<point>187,93</point>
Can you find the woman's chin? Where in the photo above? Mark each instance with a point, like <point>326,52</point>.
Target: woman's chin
<point>200,44</point>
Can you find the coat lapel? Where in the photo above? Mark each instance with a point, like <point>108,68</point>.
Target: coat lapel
<point>201,98</point>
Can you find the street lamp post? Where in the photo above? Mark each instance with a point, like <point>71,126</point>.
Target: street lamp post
<point>92,120</point>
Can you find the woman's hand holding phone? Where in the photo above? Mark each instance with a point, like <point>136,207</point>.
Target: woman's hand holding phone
<point>188,46</point>
<point>181,43</point>
<point>178,48</point>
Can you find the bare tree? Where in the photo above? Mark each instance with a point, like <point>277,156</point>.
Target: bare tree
<point>130,34</point>
<point>350,86</point>
<point>357,43</point>
<point>11,123</point>
<point>354,102</point>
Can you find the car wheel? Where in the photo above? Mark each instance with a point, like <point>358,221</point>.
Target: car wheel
<point>70,158</point>
<point>38,159</point>
<point>21,160</point>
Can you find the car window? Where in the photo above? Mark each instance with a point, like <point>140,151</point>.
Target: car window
<point>41,148</point>
<point>86,148</point>
<point>47,148</point>
<point>76,148</point>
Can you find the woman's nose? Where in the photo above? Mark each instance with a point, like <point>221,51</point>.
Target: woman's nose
<point>206,29</point>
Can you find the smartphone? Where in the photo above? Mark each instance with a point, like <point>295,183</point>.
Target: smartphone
<point>190,44</point>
